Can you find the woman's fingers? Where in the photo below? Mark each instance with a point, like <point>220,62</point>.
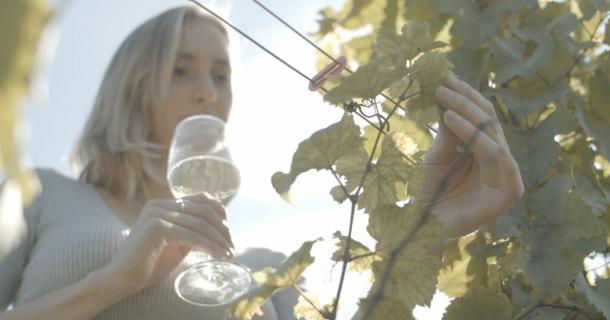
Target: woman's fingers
<point>462,87</point>
<point>198,225</point>
<point>483,146</point>
<point>461,105</point>
<point>175,233</point>
<point>443,148</point>
<point>203,211</point>
<point>512,183</point>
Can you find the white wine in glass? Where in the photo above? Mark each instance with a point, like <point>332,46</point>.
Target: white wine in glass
<point>199,162</point>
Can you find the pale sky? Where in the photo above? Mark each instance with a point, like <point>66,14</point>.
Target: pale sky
<point>273,112</point>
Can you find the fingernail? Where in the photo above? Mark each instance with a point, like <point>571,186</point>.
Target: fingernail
<point>442,92</point>
<point>452,79</point>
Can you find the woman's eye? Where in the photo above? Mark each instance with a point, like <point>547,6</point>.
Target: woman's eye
<point>179,71</point>
<point>223,78</point>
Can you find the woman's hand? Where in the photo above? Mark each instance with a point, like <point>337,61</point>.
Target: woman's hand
<point>485,181</point>
<point>162,236</point>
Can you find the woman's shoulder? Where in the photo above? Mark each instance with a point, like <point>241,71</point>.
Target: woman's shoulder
<point>52,176</point>
<point>55,182</point>
<point>258,258</point>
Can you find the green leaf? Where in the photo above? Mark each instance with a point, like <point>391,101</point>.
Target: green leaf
<point>598,296</point>
<point>320,151</point>
<point>535,150</point>
<point>510,223</point>
<point>269,281</point>
<point>590,192</point>
<point>552,248</point>
<point>470,65</point>
<point>431,70</point>
<point>420,136</point>
<point>327,21</point>
<point>413,40</point>
<point>359,49</point>
<point>395,169</point>
<point>412,277</point>
<point>533,96</point>
<point>388,308</point>
<point>338,194</point>
<point>367,82</point>
<point>480,304</point>
<point>599,96</point>
<point>546,313</point>
<point>592,121</point>
<point>352,168</point>
<point>356,249</point>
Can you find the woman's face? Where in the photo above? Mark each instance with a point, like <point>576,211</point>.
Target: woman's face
<point>201,80</point>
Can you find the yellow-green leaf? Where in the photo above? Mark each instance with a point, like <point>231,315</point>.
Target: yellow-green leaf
<point>395,170</point>
<point>309,307</point>
<point>356,249</point>
<point>413,275</point>
<point>480,304</point>
<point>464,272</point>
<point>21,26</point>
<point>286,275</point>
<point>388,308</point>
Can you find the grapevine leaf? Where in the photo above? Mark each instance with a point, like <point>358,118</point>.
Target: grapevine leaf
<point>367,82</point>
<point>391,173</point>
<point>535,149</point>
<point>552,247</point>
<point>533,97</point>
<point>590,193</point>
<point>269,281</point>
<point>413,40</point>
<point>469,64</point>
<point>461,271</point>
<point>594,124</point>
<point>480,304</point>
<point>21,28</point>
<point>320,151</point>
<point>327,21</point>
<point>421,138</point>
<point>338,194</point>
<point>388,308</point>
<point>599,96</point>
<point>352,168</point>
<point>304,309</point>
<point>508,224</point>
<point>356,249</point>
<point>546,313</point>
<point>412,276</point>
<point>359,49</point>
<point>598,296</point>
<point>431,70</point>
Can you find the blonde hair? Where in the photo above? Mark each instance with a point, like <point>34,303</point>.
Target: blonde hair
<point>115,151</point>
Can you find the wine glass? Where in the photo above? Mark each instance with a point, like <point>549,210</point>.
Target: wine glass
<point>199,162</point>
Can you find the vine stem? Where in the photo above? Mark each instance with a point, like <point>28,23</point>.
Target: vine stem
<point>354,201</point>
<point>429,205</point>
<point>541,304</point>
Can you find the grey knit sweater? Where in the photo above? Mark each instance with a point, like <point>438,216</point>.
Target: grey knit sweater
<point>71,232</point>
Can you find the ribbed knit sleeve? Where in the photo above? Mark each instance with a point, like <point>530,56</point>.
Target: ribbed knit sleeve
<point>13,262</point>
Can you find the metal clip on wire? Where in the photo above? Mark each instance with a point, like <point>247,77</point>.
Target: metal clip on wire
<point>332,69</point>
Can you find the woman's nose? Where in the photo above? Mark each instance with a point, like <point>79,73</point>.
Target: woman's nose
<point>205,90</point>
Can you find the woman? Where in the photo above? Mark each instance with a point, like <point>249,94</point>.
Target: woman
<point>110,245</point>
